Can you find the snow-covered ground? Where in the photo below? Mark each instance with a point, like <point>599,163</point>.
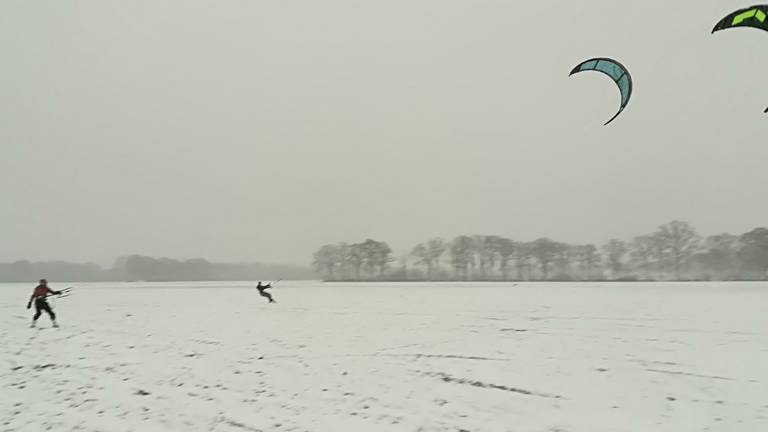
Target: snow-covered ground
<point>388,357</point>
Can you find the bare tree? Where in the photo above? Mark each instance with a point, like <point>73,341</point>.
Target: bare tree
<point>720,257</point>
<point>588,260</point>
<point>614,251</point>
<point>436,247</point>
<point>484,248</point>
<point>505,250</point>
<point>523,258</point>
<point>344,262</point>
<point>680,242</point>
<point>545,251</point>
<point>355,259</point>
<point>641,252</point>
<point>422,258</point>
<point>461,256</point>
<point>754,252</point>
<point>326,259</point>
<point>429,254</point>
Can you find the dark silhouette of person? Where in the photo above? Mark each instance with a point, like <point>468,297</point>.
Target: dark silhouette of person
<point>262,291</point>
<point>39,295</point>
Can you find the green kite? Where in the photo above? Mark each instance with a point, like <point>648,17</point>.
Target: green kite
<point>753,16</point>
<point>618,73</point>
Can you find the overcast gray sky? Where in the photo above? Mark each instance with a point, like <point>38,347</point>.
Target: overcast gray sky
<point>259,130</point>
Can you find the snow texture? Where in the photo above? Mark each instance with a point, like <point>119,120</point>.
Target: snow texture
<point>388,357</point>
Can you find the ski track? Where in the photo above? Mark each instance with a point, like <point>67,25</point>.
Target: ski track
<point>452,379</point>
<point>540,358</point>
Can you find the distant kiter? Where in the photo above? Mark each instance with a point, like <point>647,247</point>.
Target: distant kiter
<point>262,291</point>
<point>41,304</point>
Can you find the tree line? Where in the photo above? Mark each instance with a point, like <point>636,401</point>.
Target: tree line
<point>674,251</point>
<point>143,268</point>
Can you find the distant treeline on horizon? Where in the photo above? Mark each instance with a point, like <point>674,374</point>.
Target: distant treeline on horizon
<point>142,268</point>
<point>673,252</point>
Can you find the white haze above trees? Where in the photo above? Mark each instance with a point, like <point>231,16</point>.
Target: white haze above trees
<point>125,127</point>
<point>673,252</point>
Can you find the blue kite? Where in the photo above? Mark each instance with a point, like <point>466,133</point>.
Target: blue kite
<point>618,73</point>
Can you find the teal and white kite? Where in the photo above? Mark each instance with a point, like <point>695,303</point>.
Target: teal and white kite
<point>618,73</point>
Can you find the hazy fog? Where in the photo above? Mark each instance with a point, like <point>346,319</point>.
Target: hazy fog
<point>259,130</point>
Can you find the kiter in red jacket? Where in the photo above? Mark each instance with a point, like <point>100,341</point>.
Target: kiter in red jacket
<point>41,304</point>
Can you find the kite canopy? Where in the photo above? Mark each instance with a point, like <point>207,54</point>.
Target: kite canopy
<point>753,16</point>
<point>618,73</point>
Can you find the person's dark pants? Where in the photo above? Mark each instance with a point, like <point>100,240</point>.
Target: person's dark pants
<point>42,305</point>
<point>267,295</point>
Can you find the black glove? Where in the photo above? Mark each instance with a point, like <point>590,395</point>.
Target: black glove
<point>29,305</point>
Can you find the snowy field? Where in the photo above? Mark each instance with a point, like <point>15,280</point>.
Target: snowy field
<point>389,357</point>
